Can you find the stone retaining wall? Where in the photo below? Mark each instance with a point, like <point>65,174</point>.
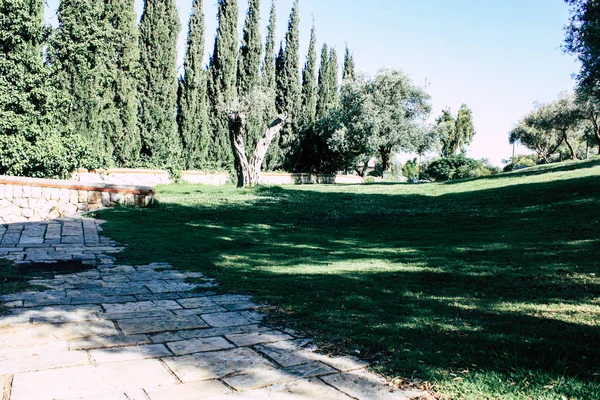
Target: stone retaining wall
<point>150,177</point>
<point>31,199</point>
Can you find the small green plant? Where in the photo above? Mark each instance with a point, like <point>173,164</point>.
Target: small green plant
<point>411,169</point>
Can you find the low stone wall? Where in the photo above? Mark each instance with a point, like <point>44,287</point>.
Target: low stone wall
<point>31,199</point>
<point>150,177</point>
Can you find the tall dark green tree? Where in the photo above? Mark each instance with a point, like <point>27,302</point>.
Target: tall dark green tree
<point>222,89</point>
<point>79,54</point>
<point>34,135</point>
<point>334,96</point>
<point>251,51</point>
<point>192,110</point>
<point>349,67</point>
<point>309,82</point>
<point>323,83</point>
<point>159,28</point>
<point>280,86</point>
<point>94,54</point>
<point>268,67</point>
<point>291,99</point>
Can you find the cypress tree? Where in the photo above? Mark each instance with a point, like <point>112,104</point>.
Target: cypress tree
<point>94,54</point>
<point>80,55</point>
<point>291,99</point>
<point>349,68</point>
<point>323,90</point>
<point>333,78</point>
<point>124,65</point>
<point>159,28</point>
<point>192,110</point>
<point>309,84</point>
<point>280,88</point>
<point>34,140</point>
<point>268,68</point>
<point>223,81</point>
<point>250,51</point>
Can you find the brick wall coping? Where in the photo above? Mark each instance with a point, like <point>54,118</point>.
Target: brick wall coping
<point>72,185</point>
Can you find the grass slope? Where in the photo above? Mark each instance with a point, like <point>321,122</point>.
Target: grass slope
<point>488,288</point>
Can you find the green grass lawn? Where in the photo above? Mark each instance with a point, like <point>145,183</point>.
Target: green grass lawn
<point>488,288</point>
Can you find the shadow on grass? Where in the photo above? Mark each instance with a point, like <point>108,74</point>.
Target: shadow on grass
<point>497,283</point>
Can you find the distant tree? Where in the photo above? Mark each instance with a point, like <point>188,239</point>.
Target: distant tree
<point>192,110</point>
<point>309,82</point>
<point>35,135</point>
<point>323,84</point>
<point>583,40</point>
<point>549,126</point>
<point>399,107</point>
<point>159,29</point>
<point>268,67</point>
<point>378,116</point>
<point>590,111</point>
<point>455,133</point>
<point>222,89</point>
<point>349,67</point>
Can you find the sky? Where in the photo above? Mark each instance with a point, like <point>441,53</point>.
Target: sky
<point>497,56</point>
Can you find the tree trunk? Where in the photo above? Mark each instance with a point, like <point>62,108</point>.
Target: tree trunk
<point>550,152</point>
<point>248,171</point>
<point>385,158</point>
<point>566,139</point>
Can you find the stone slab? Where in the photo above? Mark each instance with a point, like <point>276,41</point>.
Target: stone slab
<point>129,353</point>
<point>189,391</point>
<point>198,345</point>
<point>365,385</point>
<point>105,342</point>
<point>252,338</point>
<point>212,365</point>
<point>160,324</point>
<point>219,320</point>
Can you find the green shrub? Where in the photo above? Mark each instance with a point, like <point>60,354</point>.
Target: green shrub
<point>411,169</point>
<point>520,162</point>
<point>460,167</point>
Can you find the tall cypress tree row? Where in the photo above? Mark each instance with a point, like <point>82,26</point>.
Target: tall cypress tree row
<point>222,90</point>
<point>159,28</point>
<point>291,99</point>
<point>192,110</point>
<point>333,78</point>
<point>80,55</point>
<point>323,90</point>
<point>349,68</point>
<point>309,84</point>
<point>268,67</point>
<point>280,87</point>
<point>251,51</point>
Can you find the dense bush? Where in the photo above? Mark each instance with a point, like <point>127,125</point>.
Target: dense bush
<point>520,162</point>
<point>460,167</point>
<point>411,169</point>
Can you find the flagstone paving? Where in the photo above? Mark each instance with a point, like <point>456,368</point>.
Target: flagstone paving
<point>146,332</point>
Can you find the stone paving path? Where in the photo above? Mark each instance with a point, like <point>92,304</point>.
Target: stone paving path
<point>124,332</point>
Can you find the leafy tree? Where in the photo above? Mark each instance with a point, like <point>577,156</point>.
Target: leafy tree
<point>590,111</point>
<point>159,28</point>
<point>583,39</point>
<point>323,83</point>
<point>399,107</point>
<point>251,51</point>
<point>549,126</point>
<point>35,139</point>
<point>268,67</point>
<point>309,82</point>
<point>222,90</point>
<point>192,110</point>
<point>248,166</point>
<point>455,133</point>
<point>349,67</point>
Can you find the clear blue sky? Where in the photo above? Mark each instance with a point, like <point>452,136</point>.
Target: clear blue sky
<point>497,56</point>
